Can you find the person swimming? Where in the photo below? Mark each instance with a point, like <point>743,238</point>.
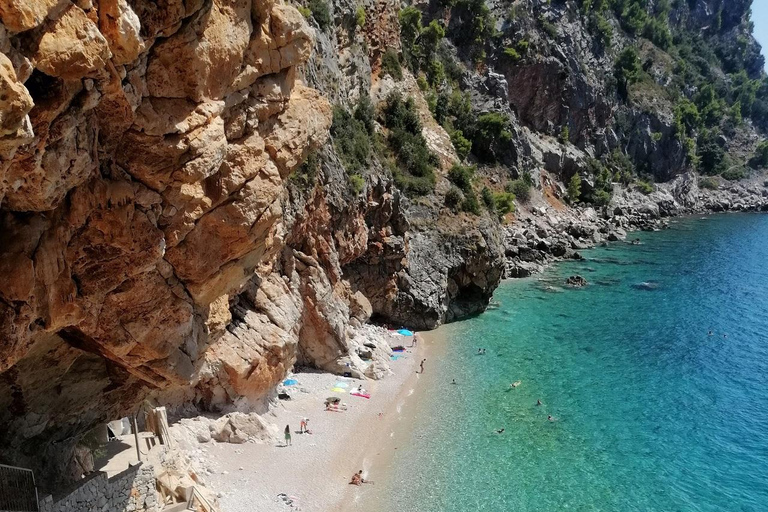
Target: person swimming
<point>500,431</point>
<point>538,402</point>
<point>453,381</point>
<point>550,418</point>
<point>515,384</point>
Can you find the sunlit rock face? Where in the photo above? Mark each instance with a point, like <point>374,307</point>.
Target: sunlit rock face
<point>144,149</point>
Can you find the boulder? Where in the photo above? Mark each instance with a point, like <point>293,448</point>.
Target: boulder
<point>576,281</point>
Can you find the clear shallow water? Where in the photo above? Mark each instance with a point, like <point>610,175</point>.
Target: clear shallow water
<point>652,413</point>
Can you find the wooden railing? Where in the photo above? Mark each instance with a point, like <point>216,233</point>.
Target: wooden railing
<point>198,502</point>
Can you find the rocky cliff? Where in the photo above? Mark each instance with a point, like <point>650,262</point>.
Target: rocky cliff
<point>197,195</point>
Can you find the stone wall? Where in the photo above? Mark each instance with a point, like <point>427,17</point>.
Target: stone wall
<point>132,490</point>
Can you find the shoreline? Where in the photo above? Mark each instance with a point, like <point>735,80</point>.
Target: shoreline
<point>401,430</point>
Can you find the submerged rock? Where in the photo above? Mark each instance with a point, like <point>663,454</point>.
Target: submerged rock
<point>576,281</point>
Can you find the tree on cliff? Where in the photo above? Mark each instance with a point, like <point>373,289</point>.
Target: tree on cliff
<point>574,188</point>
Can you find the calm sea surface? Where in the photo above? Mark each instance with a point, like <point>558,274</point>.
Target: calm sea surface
<point>652,413</point>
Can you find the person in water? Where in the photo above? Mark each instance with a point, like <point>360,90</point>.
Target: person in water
<point>500,431</point>
<point>453,381</point>
<point>550,418</point>
<point>710,333</point>
<point>538,402</point>
<point>288,435</point>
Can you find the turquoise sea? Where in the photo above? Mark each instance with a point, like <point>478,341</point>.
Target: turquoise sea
<point>652,413</point>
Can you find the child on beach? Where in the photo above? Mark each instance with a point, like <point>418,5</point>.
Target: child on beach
<point>288,435</point>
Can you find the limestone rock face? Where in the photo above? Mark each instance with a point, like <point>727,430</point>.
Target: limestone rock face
<point>143,169</point>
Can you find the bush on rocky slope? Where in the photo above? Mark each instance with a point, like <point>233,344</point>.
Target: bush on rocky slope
<point>414,171</point>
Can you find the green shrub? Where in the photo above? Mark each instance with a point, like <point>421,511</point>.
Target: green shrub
<point>435,72</point>
<point>627,70</point>
<point>658,32</point>
<point>471,204</point>
<point>710,152</point>
<point>414,186</point>
<point>462,176</point>
<point>415,162</point>
<point>601,198</point>
<point>390,64</point>
<point>356,183</point>
<point>460,144</point>
<point>453,197</point>
<point>522,46</point>
<point>760,158</point>
<point>491,128</point>
<point>709,183</point>
<point>305,176</point>
<point>622,167</point>
<point>505,203</point>
<point>476,26</point>
<point>511,54</point>
<point>734,174</point>
<point>360,16</point>
<point>521,189</point>
<point>305,11</point>
<point>488,200</point>
<point>687,118</point>
<point>351,139</point>
<point>365,113</point>
<point>574,188</point>
<point>321,12</point>
<point>565,134</point>
<point>657,136</point>
<point>603,29</point>
<point>429,38</point>
<point>644,187</point>
<point>548,27</point>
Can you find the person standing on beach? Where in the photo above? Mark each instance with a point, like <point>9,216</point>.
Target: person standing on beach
<point>421,366</point>
<point>288,435</point>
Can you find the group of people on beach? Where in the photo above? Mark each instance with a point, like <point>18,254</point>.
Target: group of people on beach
<point>303,429</point>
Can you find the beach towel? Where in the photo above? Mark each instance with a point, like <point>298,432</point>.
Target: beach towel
<point>338,390</point>
<point>361,395</point>
<point>405,332</point>
<point>290,382</point>
<point>341,385</point>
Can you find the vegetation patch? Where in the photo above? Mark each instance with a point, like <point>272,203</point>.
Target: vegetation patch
<point>414,172</point>
<point>321,13</point>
